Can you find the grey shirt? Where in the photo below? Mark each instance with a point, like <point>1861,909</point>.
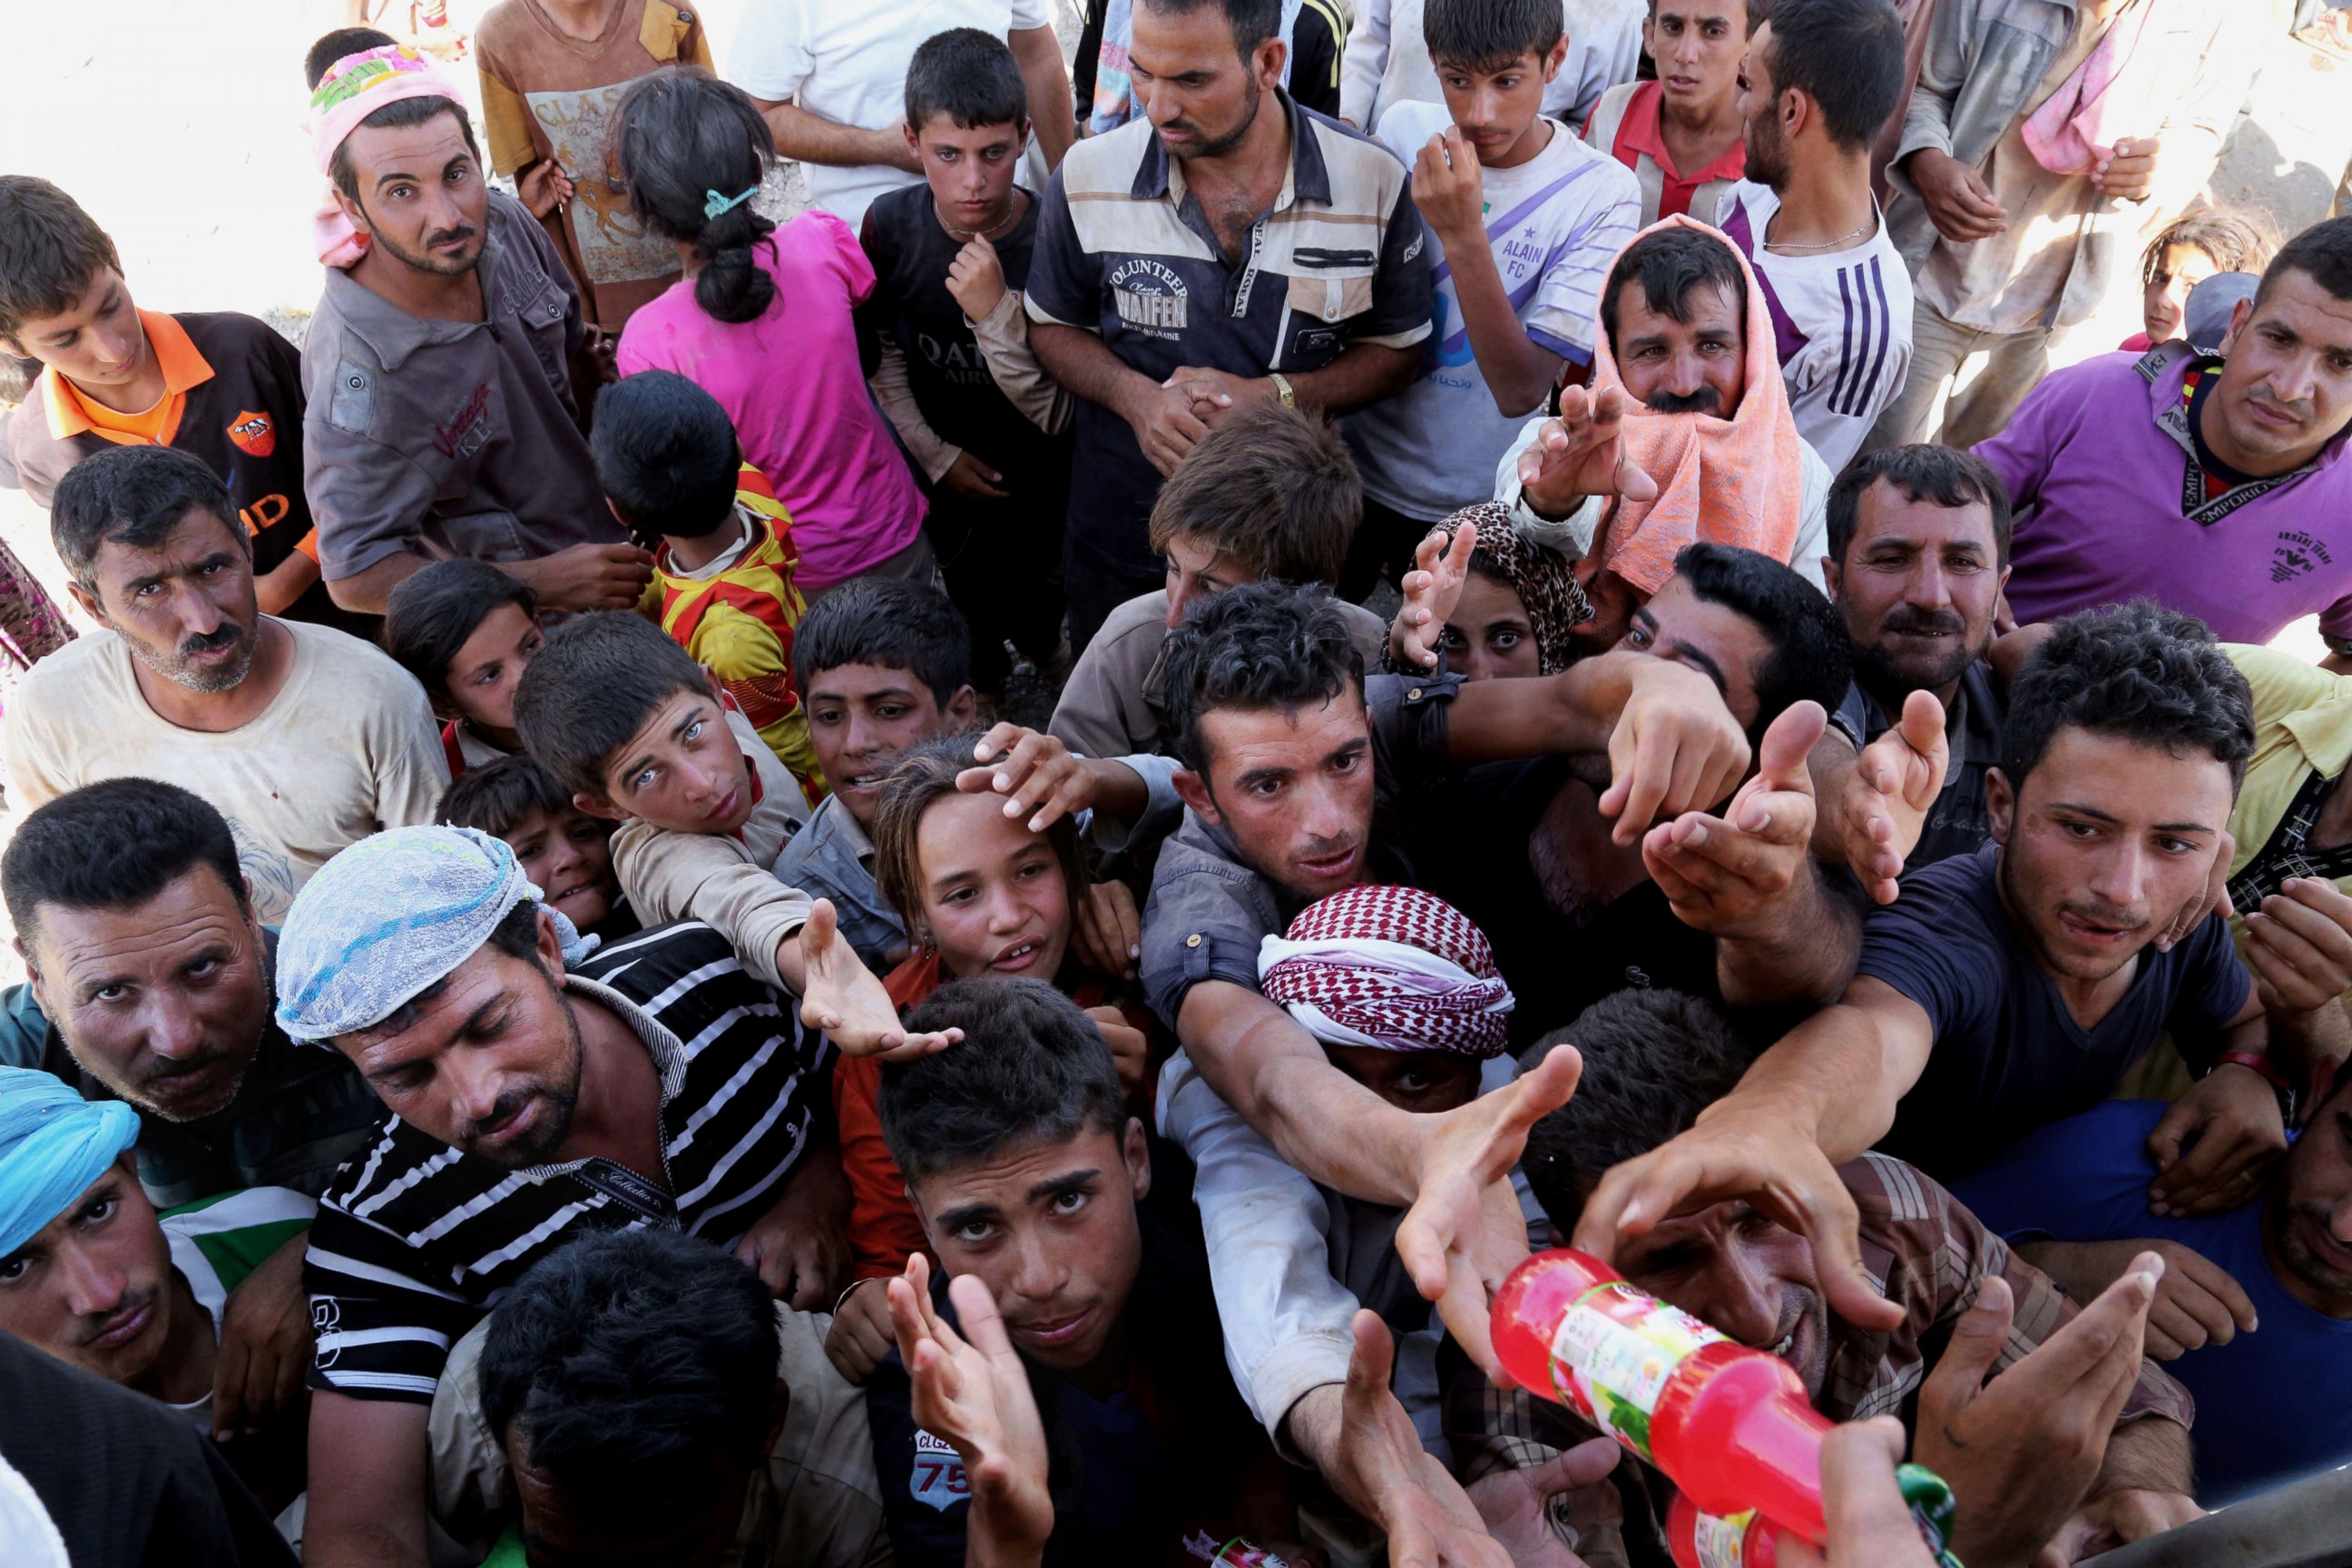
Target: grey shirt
<point>452,438</point>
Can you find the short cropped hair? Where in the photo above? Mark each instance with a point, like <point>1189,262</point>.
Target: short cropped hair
<point>431,612</point>
<point>1258,647</point>
<point>113,844</point>
<point>1940,476</point>
<point>397,116</point>
<point>2322,253</point>
<point>665,455</point>
<point>1670,265</point>
<point>2233,242</point>
<point>623,1365</point>
<point>599,679</point>
<point>1811,658</point>
<point>334,45</point>
<point>496,797</point>
<point>1253,21</point>
<point>889,623</point>
<point>1488,35</point>
<point>969,76</point>
<point>1274,490</point>
<point>50,250</point>
<point>1032,1067</point>
<point>2139,672</point>
<point>1653,1061</point>
<point>133,496</point>
<point>924,774</point>
<point>1844,55</point>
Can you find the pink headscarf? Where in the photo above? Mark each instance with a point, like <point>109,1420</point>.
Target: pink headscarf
<point>1728,481</point>
<point>355,87</point>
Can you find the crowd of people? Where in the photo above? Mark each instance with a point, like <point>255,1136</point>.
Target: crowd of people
<point>1602,691</point>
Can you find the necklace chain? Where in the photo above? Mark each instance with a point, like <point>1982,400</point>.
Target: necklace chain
<point>1771,244</point>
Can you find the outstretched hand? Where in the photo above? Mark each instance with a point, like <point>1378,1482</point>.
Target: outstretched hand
<point>840,996</point>
<point>1896,780</point>
<point>1727,875</point>
<point>1583,453</point>
<point>1674,748</point>
<point>971,1391</point>
<point>1431,590</point>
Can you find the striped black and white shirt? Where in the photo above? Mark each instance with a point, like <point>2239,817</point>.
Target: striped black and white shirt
<point>1841,324</point>
<point>415,1240</point>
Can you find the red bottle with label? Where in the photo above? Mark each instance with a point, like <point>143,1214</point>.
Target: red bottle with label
<point>1730,1426</point>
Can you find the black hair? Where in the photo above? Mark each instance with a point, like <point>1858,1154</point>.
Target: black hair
<point>1488,35</point>
<point>1844,55</point>
<point>890,623</point>
<point>1940,476</point>
<point>1670,264</point>
<point>682,135</point>
<point>431,612</point>
<point>1811,656</point>
<point>1257,646</point>
<point>2322,253</point>
<point>334,45</point>
<point>494,797</point>
<point>1653,1061</point>
<point>597,680</point>
<point>517,933</point>
<point>397,116</point>
<point>623,1365</point>
<point>969,76</point>
<point>1031,1066</point>
<point>50,250</point>
<point>2136,671</point>
<point>111,846</point>
<point>1253,21</point>
<point>665,455</point>
<point>133,496</point>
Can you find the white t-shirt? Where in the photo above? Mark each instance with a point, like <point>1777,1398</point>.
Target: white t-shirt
<point>347,748</point>
<point>1841,323</point>
<point>1386,63</point>
<point>1554,224</point>
<point>845,60</point>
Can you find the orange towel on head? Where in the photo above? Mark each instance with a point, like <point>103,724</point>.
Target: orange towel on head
<point>1725,481</point>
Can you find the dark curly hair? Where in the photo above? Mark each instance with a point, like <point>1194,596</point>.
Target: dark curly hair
<point>1261,646</point>
<point>2137,671</point>
<point>683,134</point>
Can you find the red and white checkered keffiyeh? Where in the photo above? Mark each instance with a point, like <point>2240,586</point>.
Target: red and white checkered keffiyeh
<point>1392,967</point>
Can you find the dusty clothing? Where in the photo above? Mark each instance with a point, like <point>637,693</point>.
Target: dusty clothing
<point>453,437</point>
<point>347,748</point>
<point>548,95</point>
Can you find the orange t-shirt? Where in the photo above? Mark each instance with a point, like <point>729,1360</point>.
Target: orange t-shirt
<point>70,412</point>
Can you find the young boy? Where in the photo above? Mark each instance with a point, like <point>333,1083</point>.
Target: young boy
<point>640,734</point>
<point>1689,118</point>
<point>1526,219</point>
<point>224,387</point>
<point>561,849</point>
<point>723,554</point>
<point>1026,1171</point>
<point>883,663</point>
<point>466,630</point>
<point>552,75</point>
<point>987,428</point>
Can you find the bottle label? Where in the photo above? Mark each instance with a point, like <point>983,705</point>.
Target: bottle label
<point>1722,1542</point>
<point>1613,1353</point>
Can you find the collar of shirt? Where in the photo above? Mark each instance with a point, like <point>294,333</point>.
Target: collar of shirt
<point>667,1051</point>
<point>1158,175</point>
<point>833,830</point>
<point>1642,133</point>
<point>183,368</point>
<point>391,334</point>
<point>2323,733</point>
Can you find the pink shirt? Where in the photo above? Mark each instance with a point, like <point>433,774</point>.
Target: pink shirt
<point>791,381</point>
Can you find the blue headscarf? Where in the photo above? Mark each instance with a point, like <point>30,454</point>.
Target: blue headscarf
<point>53,1145</point>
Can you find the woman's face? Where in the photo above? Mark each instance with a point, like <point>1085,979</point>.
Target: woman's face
<point>994,898</point>
<point>1489,634</point>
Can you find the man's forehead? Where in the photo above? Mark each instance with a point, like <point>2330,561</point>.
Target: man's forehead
<point>1307,733</point>
<point>194,911</point>
<point>1885,511</point>
<point>431,143</point>
<point>2298,302</point>
<point>1010,1174</point>
<point>102,285</point>
<point>199,534</point>
<point>2132,781</point>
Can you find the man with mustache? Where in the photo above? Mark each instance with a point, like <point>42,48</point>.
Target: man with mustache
<point>304,738</point>
<point>447,370</point>
<point>2215,484</point>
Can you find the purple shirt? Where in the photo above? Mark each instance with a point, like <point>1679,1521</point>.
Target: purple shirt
<point>2110,507</point>
<point>791,381</point>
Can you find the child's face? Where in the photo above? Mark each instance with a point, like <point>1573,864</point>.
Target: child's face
<point>1496,106</point>
<point>994,898</point>
<point>96,342</point>
<point>1697,45</point>
<point>1424,1083</point>
<point>2181,268</point>
<point>684,771</point>
<point>479,686</point>
<point>568,854</point>
<point>970,169</point>
<point>861,716</point>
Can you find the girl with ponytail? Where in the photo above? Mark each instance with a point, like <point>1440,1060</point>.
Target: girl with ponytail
<point>762,320</point>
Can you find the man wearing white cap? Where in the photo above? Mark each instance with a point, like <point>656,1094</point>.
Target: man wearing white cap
<point>653,1083</point>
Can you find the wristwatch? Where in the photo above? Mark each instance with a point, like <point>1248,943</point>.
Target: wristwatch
<point>1282,388</point>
